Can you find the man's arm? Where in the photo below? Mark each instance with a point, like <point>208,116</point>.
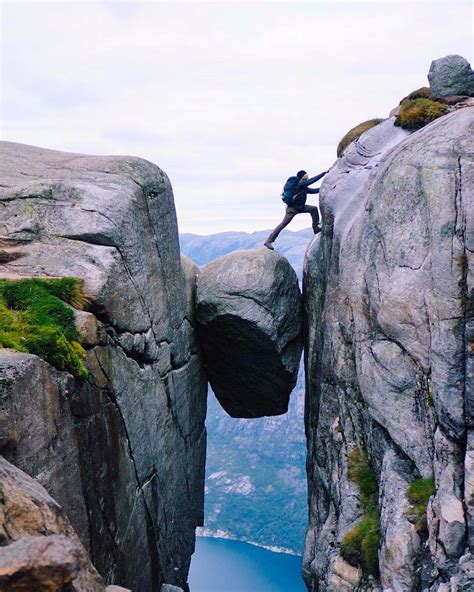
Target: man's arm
<point>312,190</point>
<point>310,181</point>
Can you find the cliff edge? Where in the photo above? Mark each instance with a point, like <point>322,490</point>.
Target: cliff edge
<point>122,449</point>
<point>389,417</point>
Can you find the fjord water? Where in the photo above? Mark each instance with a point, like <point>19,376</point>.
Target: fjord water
<point>220,565</point>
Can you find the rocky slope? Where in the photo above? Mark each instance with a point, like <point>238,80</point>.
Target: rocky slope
<point>388,311</point>
<point>123,451</point>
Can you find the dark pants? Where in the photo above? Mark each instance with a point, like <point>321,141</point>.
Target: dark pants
<point>290,214</point>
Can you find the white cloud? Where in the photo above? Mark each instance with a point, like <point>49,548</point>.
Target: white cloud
<point>228,98</point>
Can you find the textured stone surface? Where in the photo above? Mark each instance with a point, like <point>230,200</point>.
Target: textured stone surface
<point>126,448</point>
<point>387,289</point>
<point>249,320</point>
<point>469,487</point>
<point>400,541</point>
<point>87,325</point>
<point>37,430</point>
<point>451,75</point>
<point>39,549</point>
<point>46,563</point>
<point>343,576</point>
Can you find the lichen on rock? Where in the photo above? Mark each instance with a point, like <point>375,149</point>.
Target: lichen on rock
<point>451,75</point>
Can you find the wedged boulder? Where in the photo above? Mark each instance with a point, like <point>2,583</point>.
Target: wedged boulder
<point>451,75</point>
<point>249,322</point>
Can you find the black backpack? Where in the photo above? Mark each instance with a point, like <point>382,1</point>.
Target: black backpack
<point>289,190</point>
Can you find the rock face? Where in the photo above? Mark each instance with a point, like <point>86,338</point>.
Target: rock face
<point>249,320</point>
<point>451,75</point>
<point>388,306</point>
<point>123,452</point>
<point>40,550</point>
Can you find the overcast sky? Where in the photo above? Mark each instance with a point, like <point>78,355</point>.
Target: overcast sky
<point>229,98</point>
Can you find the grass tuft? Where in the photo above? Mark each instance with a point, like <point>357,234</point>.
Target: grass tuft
<point>355,133</point>
<point>34,318</point>
<point>360,472</point>
<point>360,545</point>
<point>416,113</point>
<point>419,493</point>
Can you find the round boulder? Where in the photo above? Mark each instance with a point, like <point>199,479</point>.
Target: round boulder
<point>249,316</point>
<point>451,75</point>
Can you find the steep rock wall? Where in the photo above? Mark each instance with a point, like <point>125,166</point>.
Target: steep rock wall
<point>388,311</point>
<point>124,451</point>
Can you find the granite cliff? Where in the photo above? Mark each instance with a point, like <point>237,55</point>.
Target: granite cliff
<point>388,313</point>
<point>123,451</point>
<point>40,550</point>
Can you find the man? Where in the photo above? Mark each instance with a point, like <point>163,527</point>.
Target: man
<point>298,206</point>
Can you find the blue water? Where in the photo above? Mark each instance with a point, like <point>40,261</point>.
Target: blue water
<point>219,565</point>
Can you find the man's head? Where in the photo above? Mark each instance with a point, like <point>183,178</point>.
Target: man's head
<point>302,175</point>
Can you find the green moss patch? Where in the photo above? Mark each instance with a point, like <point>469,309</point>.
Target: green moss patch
<point>34,318</point>
<point>416,113</point>
<point>419,493</point>
<point>355,134</point>
<point>360,472</point>
<point>360,545</point>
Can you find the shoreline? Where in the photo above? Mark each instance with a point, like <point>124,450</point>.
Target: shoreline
<point>222,534</point>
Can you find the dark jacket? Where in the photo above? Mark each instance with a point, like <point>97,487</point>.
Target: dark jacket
<point>302,191</point>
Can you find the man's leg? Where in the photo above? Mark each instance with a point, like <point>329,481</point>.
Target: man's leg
<point>313,210</point>
<point>289,215</point>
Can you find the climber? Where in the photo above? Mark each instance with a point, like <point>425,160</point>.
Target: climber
<point>294,195</point>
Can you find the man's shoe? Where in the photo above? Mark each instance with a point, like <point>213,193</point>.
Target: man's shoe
<point>269,245</point>
<point>317,229</point>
